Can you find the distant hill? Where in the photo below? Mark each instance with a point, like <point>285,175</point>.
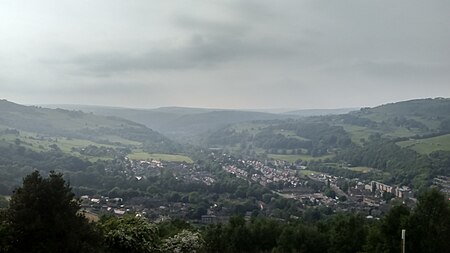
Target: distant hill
<point>402,119</point>
<point>79,125</point>
<point>320,112</point>
<point>181,123</point>
<point>405,120</point>
<point>322,135</point>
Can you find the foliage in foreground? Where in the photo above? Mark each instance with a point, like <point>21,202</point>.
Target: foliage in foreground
<point>44,217</point>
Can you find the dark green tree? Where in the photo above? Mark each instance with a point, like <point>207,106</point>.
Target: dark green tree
<point>5,235</point>
<point>429,226</point>
<point>347,233</point>
<point>43,216</point>
<point>386,235</point>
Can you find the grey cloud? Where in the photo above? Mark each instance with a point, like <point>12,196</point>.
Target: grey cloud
<point>264,52</point>
<point>401,69</point>
<point>210,26</point>
<point>199,52</point>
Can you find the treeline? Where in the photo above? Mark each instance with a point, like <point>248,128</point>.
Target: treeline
<point>17,161</point>
<point>267,139</point>
<point>42,217</point>
<point>313,138</point>
<point>406,166</point>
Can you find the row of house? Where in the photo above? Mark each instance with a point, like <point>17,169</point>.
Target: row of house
<point>399,192</point>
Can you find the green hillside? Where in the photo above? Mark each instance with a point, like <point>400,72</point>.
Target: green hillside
<point>180,123</point>
<point>428,145</point>
<point>292,139</point>
<point>43,129</point>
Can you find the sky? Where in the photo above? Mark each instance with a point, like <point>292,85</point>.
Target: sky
<point>224,54</point>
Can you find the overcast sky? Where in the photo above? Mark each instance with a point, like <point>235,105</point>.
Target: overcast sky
<point>225,54</point>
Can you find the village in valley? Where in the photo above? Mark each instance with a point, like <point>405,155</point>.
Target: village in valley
<point>293,181</point>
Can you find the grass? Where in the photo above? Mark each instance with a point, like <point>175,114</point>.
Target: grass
<point>357,132</point>
<point>33,142</point>
<point>118,139</point>
<point>66,145</point>
<point>401,132</point>
<point>30,140</point>
<point>140,155</point>
<point>426,146</point>
<point>294,158</point>
<point>290,134</point>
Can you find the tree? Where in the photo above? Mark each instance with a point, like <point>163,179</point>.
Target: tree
<point>385,236</point>
<point>5,236</point>
<point>330,193</point>
<point>43,217</point>
<point>184,242</point>
<point>130,234</point>
<point>347,233</point>
<point>429,225</point>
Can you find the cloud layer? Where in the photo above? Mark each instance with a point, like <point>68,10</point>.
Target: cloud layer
<point>234,54</point>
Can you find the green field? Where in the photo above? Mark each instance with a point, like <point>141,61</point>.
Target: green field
<point>36,143</point>
<point>118,139</point>
<point>140,155</point>
<point>42,144</point>
<point>426,146</point>
<point>289,134</point>
<point>294,158</point>
<point>357,132</point>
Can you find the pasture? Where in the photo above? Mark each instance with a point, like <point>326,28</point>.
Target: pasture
<point>426,146</point>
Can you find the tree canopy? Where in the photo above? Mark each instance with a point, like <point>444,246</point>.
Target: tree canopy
<point>43,216</point>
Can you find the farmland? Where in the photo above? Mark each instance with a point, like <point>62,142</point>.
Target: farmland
<point>426,146</point>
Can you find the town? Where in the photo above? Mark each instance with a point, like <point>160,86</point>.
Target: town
<point>290,181</point>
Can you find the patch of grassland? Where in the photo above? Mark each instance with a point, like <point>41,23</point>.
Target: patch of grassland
<point>33,142</point>
<point>290,134</point>
<point>357,133</point>
<point>401,132</point>
<point>140,155</point>
<point>426,146</point>
<point>66,145</point>
<point>42,144</point>
<point>118,139</point>
<point>430,123</point>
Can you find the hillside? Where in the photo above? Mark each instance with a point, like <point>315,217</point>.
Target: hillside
<point>323,135</point>
<point>408,119</point>
<point>37,127</point>
<point>180,123</point>
<point>320,112</point>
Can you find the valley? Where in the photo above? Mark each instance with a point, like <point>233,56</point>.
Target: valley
<point>263,166</point>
